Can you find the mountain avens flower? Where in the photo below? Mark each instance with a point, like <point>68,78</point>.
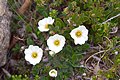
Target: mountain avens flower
<point>53,73</point>
<point>33,54</point>
<point>56,43</point>
<point>43,24</point>
<point>80,35</point>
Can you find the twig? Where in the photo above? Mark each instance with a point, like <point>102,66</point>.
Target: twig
<point>111,18</point>
<point>16,37</point>
<point>104,51</point>
<point>114,30</point>
<point>6,72</point>
<point>110,60</point>
<point>17,13</point>
<point>24,7</point>
<point>107,39</point>
<point>93,55</point>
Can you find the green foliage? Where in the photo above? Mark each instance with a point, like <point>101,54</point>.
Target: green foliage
<point>99,31</point>
<point>30,41</point>
<point>59,24</point>
<point>19,77</point>
<point>42,10</point>
<point>53,13</point>
<point>117,60</point>
<point>25,77</point>
<point>28,29</point>
<point>16,48</point>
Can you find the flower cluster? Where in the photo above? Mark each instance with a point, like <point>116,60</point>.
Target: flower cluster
<point>55,43</point>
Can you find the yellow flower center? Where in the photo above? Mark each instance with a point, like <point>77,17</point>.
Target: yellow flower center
<point>78,33</point>
<point>34,54</point>
<point>46,26</point>
<point>53,72</point>
<point>56,42</point>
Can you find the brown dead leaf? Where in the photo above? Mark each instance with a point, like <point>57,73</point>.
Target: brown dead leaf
<point>24,7</point>
<point>14,40</point>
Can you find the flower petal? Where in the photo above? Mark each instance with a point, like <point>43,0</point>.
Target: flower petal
<point>27,51</point>
<point>79,41</point>
<point>42,28</point>
<point>42,22</point>
<point>83,29</point>
<point>50,20</point>
<point>53,73</point>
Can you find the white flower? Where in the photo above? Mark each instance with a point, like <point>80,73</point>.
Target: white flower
<point>116,52</point>
<point>80,35</point>
<point>33,54</point>
<point>84,74</point>
<point>53,73</point>
<point>43,24</point>
<point>52,53</point>
<point>56,43</point>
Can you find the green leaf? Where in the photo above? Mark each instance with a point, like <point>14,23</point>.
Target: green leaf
<point>59,22</point>
<point>74,58</point>
<point>44,78</point>
<point>117,59</point>
<point>85,46</point>
<point>35,70</point>
<point>53,13</point>
<point>75,19</point>
<point>30,41</point>
<point>68,49</point>
<point>28,29</point>
<point>16,48</point>
<point>42,10</point>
